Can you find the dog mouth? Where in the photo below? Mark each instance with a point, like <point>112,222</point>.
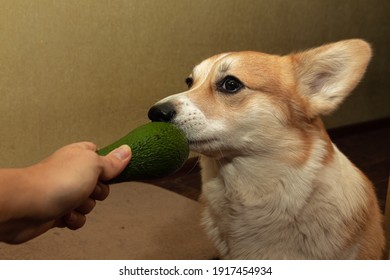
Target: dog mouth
<point>202,144</point>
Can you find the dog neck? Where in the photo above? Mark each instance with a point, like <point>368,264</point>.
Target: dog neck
<point>252,177</point>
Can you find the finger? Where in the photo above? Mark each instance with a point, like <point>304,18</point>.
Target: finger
<point>74,220</point>
<point>115,162</point>
<point>87,145</point>
<point>87,206</point>
<point>60,223</point>
<point>100,192</point>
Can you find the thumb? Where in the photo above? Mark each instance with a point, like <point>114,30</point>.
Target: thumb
<point>114,163</point>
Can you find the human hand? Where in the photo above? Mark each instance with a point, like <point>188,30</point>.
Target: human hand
<point>60,190</point>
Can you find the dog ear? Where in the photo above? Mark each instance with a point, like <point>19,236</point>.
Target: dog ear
<point>327,74</point>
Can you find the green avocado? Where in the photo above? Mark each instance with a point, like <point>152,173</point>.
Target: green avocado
<point>158,150</point>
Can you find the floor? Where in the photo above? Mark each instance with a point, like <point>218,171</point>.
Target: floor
<point>136,222</point>
<point>367,146</point>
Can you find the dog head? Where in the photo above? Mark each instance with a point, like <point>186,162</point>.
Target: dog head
<point>251,102</point>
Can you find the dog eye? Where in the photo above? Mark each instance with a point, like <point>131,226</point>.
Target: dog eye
<point>189,81</point>
<point>230,84</point>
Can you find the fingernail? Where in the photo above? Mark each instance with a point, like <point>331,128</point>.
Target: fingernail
<point>122,152</point>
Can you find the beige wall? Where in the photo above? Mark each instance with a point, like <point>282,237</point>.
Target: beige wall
<point>90,69</point>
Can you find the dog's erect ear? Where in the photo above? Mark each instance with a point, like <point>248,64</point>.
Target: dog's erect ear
<point>327,74</point>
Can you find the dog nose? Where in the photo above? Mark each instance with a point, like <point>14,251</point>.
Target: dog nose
<point>162,112</point>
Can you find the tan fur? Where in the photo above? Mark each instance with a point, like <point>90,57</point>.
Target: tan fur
<point>274,185</point>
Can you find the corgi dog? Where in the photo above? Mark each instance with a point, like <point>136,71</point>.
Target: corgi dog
<point>274,186</point>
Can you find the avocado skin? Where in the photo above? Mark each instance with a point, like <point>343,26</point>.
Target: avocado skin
<point>158,150</point>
